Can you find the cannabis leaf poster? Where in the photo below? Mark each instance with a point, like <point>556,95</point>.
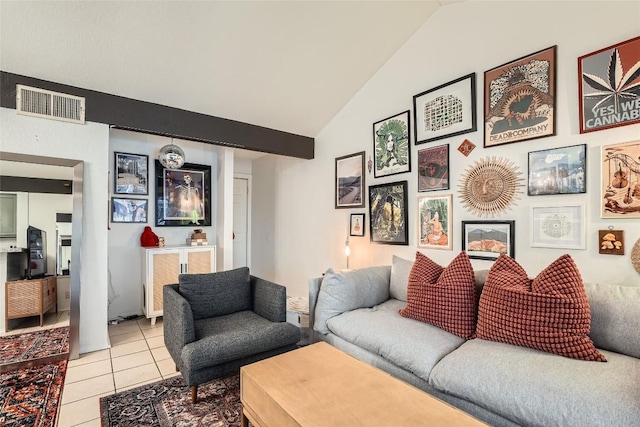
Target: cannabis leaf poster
<point>609,85</point>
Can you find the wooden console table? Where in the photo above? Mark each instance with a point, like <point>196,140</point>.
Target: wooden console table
<point>25,298</point>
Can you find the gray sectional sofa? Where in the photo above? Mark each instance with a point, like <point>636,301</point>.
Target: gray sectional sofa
<point>501,384</point>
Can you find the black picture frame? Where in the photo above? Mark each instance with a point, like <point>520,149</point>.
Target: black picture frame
<point>128,210</point>
<point>356,224</point>
<point>557,171</point>
<point>131,173</point>
<point>488,239</point>
<point>350,181</point>
<point>446,110</point>
<point>391,145</point>
<point>388,213</point>
<point>174,208</point>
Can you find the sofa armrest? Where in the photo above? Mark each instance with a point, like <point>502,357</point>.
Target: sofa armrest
<point>179,329</point>
<point>269,299</point>
<point>314,289</point>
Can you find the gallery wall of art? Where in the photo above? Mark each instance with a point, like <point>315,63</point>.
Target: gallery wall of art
<point>462,39</point>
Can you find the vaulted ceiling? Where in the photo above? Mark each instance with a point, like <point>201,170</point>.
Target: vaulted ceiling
<point>285,65</point>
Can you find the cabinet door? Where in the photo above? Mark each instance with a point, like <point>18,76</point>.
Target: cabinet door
<point>164,269</point>
<point>200,260</point>
<point>8,207</point>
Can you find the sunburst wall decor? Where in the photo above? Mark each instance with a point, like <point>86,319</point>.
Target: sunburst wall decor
<point>490,186</point>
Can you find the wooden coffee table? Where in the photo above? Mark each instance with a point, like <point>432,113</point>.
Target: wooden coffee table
<point>319,385</point>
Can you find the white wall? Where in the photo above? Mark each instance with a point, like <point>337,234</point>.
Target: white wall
<point>125,256</point>
<point>470,36</point>
<point>89,143</point>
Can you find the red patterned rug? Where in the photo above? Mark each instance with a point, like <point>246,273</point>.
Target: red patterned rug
<point>168,403</point>
<point>31,348</point>
<point>30,396</point>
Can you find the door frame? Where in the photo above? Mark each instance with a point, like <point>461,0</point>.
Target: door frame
<point>249,195</point>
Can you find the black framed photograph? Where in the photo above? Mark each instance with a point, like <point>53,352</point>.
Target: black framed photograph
<point>446,110</point>
<point>356,224</point>
<point>388,222</point>
<point>519,99</point>
<point>391,145</point>
<point>183,196</point>
<point>433,168</point>
<point>350,181</point>
<point>558,171</point>
<point>129,210</point>
<point>131,173</point>
<point>488,239</point>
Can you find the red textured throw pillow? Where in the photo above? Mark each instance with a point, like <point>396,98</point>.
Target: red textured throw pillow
<point>549,313</point>
<point>443,297</point>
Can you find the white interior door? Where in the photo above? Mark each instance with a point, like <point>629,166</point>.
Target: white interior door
<point>240,222</point>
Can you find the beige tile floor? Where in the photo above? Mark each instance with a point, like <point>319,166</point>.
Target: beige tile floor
<point>137,356</point>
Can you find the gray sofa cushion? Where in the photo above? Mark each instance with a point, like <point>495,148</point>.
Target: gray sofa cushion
<point>234,336</point>
<point>410,344</point>
<point>342,292</point>
<point>615,318</point>
<point>536,388</point>
<point>400,269</point>
<point>216,294</point>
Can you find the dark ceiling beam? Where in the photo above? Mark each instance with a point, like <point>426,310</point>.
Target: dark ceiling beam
<point>35,185</point>
<point>147,117</point>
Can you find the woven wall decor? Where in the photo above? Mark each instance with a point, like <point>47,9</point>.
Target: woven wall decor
<point>490,186</point>
<point>635,256</point>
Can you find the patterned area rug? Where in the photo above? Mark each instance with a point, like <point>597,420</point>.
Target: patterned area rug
<point>31,348</point>
<point>168,403</point>
<point>30,396</point>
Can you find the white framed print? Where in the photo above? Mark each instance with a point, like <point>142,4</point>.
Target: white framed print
<point>560,227</point>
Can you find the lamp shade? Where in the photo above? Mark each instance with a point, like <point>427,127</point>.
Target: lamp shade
<point>171,156</point>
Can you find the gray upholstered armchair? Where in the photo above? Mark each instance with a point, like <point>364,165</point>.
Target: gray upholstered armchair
<point>215,323</point>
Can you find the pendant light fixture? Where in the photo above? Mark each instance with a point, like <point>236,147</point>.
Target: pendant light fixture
<point>171,156</point>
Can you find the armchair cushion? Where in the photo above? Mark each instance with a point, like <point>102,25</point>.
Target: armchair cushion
<point>235,336</point>
<point>216,294</point>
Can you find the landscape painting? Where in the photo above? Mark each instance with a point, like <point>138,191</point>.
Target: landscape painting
<point>558,171</point>
<point>349,181</point>
<point>488,239</point>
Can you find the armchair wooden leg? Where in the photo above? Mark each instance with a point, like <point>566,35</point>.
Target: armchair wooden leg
<point>177,369</point>
<point>194,393</point>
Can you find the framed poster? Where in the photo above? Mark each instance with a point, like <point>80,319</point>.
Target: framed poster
<point>621,180</point>
<point>433,168</point>
<point>608,86</point>
<point>388,222</point>
<point>128,210</point>
<point>356,224</point>
<point>349,181</point>
<point>434,222</point>
<point>131,173</point>
<point>488,239</point>
<point>446,110</point>
<point>558,171</point>
<point>558,227</point>
<point>391,146</point>
<point>183,196</point>
<point>519,99</point>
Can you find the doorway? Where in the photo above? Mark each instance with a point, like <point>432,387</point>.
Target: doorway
<point>241,221</point>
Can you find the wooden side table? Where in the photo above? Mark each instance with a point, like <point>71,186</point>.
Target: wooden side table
<point>25,298</point>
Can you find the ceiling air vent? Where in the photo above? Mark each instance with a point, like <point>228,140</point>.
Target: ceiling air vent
<point>36,102</point>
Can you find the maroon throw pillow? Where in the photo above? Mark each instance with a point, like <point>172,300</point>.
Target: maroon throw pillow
<point>549,313</point>
<point>443,297</point>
